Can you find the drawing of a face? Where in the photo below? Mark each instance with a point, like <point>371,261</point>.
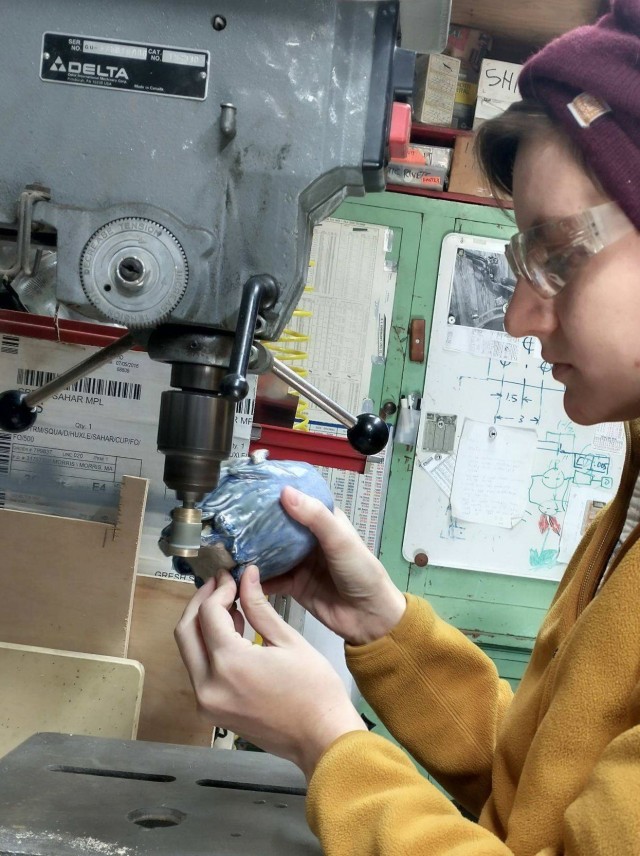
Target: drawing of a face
<point>589,331</point>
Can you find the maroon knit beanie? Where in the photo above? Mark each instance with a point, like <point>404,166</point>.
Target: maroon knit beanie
<point>588,80</point>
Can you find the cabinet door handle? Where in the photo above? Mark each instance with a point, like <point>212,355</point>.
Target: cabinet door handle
<point>416,340</point>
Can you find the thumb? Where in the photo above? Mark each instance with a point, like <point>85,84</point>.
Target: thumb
<point>333,530</point>
<point>259,612</point>
<point>307,510</point>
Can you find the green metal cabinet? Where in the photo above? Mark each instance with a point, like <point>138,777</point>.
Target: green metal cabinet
<point>500,613</point>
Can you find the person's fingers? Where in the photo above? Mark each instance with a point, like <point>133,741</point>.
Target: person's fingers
<point>189,639</point>
<point>237,618</point>
<point>259,612</point>
<point>215,620</point>
<point>333,531</point>
<point>226,590</point>
<point>191,609</point>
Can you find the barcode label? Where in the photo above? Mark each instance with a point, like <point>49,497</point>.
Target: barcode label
<point>88,385</point>
<point>9,344</point>
<point>246,406</point>
<point>5,453</point>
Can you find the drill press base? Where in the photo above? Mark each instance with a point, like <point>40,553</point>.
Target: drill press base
<point>63,795</point>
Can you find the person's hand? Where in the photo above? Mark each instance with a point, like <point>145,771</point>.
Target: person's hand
<point>341,582</point>
<point>284,696</point>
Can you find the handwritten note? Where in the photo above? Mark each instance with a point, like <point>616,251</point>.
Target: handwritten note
<point>493,474</point>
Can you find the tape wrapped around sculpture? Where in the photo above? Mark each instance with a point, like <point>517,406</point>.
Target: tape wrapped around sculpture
<point>244,523</point>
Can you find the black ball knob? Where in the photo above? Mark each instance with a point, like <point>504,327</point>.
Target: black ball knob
<point>234,387</point>
<point>15,415</point>
<point>369,435</point>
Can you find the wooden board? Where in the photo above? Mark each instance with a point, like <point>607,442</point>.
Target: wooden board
<point>68,584</point>
<point>169,713</point>
<point>535,22</point>
<point>46,690</point>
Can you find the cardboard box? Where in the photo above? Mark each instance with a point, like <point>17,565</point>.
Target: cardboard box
<point>466,176</point>
<point>464,107</point>
<point>424,166</point>
<point>471,47</point>
<point>435,93</point>
<point>468,45</point>
<point>103,427</point>
<point>497,89</point>
<point>436,157</point>
<point>415,176</point>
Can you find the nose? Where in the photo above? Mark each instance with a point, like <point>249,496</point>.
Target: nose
<point>529,314</point>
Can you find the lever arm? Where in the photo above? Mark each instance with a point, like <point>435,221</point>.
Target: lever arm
<point>367,433</point>
<point>18,409</point>
<point>259,292</point>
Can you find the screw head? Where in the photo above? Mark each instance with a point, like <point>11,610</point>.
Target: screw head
<point>130,274</point>
<point>218,22</point>
<point>131,269</point>
<point>421,560</point>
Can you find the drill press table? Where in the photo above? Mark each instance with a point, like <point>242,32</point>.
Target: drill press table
<point>63,795</point>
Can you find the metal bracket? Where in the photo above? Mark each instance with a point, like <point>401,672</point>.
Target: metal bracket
<point>30,195</point>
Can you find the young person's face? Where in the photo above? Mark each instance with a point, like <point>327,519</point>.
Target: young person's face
<point>590,331</point>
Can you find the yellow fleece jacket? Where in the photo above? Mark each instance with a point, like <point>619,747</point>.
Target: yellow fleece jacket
<point>553,769</point>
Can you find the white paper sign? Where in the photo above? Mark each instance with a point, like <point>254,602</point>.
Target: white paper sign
<point>492,474</point>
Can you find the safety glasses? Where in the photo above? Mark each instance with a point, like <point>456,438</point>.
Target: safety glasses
<point>549,255</point>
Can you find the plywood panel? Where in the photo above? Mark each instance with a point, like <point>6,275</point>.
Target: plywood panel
<point>46,690</point>
<point>535,22</point>
<point>68,584</point>
<point>169,713</point>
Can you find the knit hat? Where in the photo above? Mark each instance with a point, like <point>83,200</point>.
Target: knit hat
<point>588,80</point>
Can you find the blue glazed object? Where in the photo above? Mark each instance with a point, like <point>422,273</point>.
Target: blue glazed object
<point>244,522</point>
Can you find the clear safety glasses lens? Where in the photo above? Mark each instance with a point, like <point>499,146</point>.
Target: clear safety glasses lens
<point>549,255</point>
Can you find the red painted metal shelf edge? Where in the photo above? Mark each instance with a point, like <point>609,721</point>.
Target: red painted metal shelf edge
<point>321,450</point>
<point>58,330</point>
<point>451,197</point>
<point>437,135</point>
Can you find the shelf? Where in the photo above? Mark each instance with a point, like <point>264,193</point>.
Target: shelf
<point>534,23</point>
<point>436,135</point>
<point>321,450</point>
<point>439,135</point>
<point>450,197</point>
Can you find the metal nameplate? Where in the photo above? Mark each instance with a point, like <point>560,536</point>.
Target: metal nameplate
<point>125,66</point>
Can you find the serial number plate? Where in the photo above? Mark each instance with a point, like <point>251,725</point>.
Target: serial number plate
<point>127,66</point>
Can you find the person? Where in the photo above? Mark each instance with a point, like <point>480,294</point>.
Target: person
<point>555,768</point>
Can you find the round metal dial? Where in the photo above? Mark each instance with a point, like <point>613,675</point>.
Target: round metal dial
<point>134,271</point>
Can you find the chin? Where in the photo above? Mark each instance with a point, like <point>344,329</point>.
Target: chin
<point>586,410</point>
<point>582,411</point>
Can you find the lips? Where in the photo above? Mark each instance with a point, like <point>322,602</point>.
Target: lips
<point>552,361</point>
<point>560,370</point>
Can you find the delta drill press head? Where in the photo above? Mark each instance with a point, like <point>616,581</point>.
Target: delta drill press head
<point>168,162</point>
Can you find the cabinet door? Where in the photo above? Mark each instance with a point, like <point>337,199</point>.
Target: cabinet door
<point>500,613</point>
